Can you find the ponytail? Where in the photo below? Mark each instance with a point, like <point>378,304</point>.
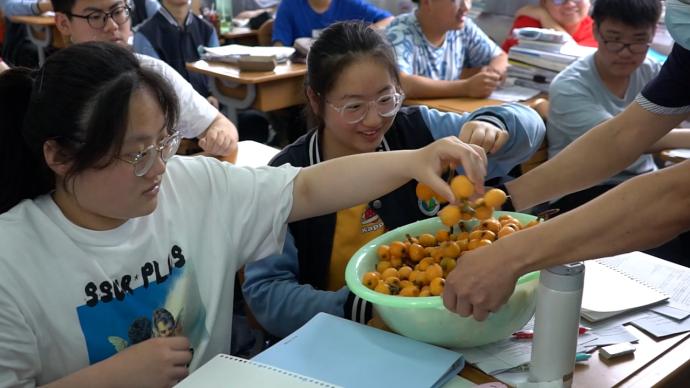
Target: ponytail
<point>23,172</point>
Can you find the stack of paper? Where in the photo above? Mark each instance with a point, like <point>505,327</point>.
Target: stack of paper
<point>232,53</point>
<point>354,355</point>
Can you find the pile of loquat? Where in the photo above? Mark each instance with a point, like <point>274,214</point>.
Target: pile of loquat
<point>418,266</point>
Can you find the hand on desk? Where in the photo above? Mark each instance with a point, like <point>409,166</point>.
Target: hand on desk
<point>220,138</point>
<point>488,136</point>
<point>482,84</point>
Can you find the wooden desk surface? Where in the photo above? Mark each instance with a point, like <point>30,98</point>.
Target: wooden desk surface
<point>455,104</point>
<point>654,363</point>
<point>239,32</point>
<point>232,73</point>
<point>34,20</point>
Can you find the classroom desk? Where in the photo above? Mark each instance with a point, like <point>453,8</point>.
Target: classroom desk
<point>42,32</point>
<point>242,35</point>
<point>664,363</point>
<point>263,90</point>
<point>456,104</point>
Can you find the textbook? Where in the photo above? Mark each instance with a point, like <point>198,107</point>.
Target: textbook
<point>229,371</point>
<point>612,291</point>
<point>353,355</point>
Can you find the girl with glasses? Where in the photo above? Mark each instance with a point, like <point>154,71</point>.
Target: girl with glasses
<point>355,102</point>
<point>118,259</point>
<point>570,16</point>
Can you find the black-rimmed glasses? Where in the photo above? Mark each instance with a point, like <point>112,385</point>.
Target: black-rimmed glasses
<point>144,160</point>
<point>98,19</point>
<point>635,48</point>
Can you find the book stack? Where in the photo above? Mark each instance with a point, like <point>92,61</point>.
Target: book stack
<point>540,55</point>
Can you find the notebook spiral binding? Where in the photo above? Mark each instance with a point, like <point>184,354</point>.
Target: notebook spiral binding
<point>282,371</point>
<point>629,276</point>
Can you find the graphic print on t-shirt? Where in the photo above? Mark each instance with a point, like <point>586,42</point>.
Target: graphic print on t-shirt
<point>159,299</point>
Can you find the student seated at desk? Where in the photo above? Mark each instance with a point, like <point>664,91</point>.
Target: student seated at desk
<point>306,18</point>
<point>600,86</point>
<point>435,42</point>
<point>109,21</point>
<point>570,16</point>
<point>118,258</point>
<point>174,35</point>
<point>597,87</point>
<point>353,90</point>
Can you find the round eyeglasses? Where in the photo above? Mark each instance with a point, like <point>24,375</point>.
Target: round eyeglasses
<point>635,48</point>
<point>98,19</point>
<point>355,111</point>
<point>144,160</point>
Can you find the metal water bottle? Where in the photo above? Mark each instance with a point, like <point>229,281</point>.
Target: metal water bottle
<point>557,321</point>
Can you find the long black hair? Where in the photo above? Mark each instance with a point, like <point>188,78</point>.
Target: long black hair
<point>338,46</point>
<point>80,99</point>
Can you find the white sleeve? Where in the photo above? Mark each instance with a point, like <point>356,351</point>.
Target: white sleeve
<point>196,113</point>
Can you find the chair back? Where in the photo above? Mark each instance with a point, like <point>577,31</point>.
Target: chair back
<point>264,34</point>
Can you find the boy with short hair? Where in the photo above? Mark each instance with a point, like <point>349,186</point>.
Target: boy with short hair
<point>109,21</point>
<point>435,42</point>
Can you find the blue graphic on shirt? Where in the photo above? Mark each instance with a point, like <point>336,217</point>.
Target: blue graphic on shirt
<point>120,313</point>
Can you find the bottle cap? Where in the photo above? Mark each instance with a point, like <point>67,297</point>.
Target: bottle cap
<point>568,277</point>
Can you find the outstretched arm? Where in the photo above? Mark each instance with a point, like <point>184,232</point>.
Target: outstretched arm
<point>344,182</point>
<point>641,213</point>
<point>602,152</point>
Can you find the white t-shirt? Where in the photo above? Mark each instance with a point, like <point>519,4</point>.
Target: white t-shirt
<point>196,113</point>
<point>70,297</point>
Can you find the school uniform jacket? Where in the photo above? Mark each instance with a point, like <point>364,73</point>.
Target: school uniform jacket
<point>314,236</point>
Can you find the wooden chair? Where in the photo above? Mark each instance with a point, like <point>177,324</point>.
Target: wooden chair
<point>264,34</point>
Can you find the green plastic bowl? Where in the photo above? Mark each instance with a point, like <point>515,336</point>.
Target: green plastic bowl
<point>425,318</point>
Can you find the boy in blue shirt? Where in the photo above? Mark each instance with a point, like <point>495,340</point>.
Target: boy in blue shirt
<point>305,18</point>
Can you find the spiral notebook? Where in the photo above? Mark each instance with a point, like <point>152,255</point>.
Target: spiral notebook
<point>359,356</point>
<point>611,291</point>
<point>229,371</point>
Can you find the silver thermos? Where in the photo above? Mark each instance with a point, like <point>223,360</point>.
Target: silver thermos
<point>556,325</point>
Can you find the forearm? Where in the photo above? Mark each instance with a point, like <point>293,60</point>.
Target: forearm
<point>282,306</point>
<point>96,375</point>
<point>638,214</point>
<point>341,183</point>
<point>500,62</point>
<point>602,152</point>
<point>678,138</point>
<point>422,87</point>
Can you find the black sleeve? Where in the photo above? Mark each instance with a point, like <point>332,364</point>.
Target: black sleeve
<point>668,92</point>
<point>357,309</point>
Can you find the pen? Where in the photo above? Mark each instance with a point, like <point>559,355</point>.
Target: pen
<point>582,357</point>
<point>529,334</point>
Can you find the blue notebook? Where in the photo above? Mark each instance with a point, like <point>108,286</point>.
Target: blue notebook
<point>353,355</point>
